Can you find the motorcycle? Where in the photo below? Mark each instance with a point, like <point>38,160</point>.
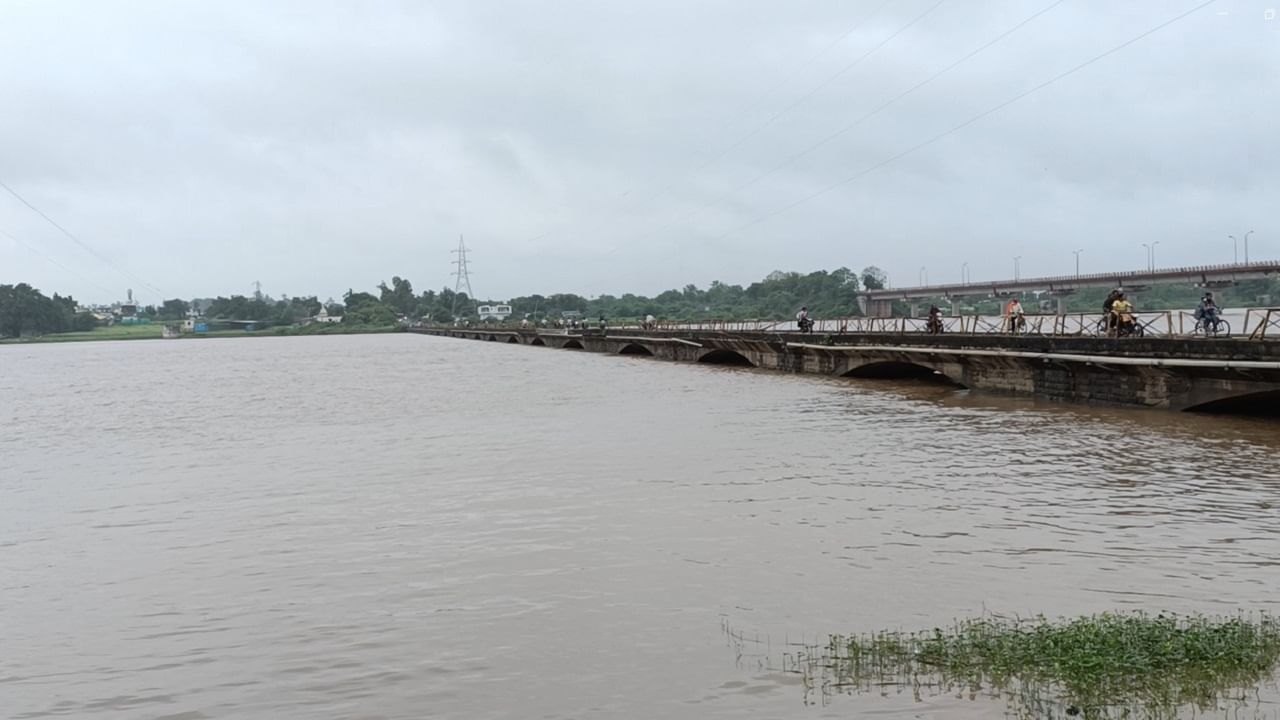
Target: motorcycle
<point>806,325</point>
<point>934,325</point>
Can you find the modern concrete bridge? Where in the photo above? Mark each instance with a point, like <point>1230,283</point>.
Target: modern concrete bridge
<point>1173,373</point>
<point>879,303</point>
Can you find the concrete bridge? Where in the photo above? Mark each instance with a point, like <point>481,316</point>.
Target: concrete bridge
<point>879,303</point>
<point>1172,373</point>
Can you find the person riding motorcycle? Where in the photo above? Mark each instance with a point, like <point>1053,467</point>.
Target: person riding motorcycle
<point>934,324</point>
<point>803,321</point>
<point>1122,321</point>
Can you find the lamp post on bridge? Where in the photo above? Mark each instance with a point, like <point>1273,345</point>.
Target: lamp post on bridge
<point>1077,254</point>
<point>1153,255</point>
<point>1246,247</point>
<point>1017,268</point>
<point>964,274</point>
<point>1235,249</point>
<point>924,276</point>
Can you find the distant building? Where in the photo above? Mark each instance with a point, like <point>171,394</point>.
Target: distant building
<point>494,312</point>
<point>324,317</point>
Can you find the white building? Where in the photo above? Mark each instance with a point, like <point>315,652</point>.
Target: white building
<point>324,317</point>
<point>494,312</point>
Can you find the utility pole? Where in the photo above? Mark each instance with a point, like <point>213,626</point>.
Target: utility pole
<point>1246,247</point>
<point>463,276</point>
<point>1077,254</point>
<point>1235,249</point>
<point>1017,268</point>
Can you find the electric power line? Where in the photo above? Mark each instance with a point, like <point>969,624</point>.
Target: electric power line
<point>78,241</point>
<point>48,257</point>
<point>821,85</point>
<point>966,123</point>
<point>724,196</point>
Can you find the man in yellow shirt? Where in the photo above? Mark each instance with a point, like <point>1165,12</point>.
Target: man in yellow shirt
<point>1122,314</point>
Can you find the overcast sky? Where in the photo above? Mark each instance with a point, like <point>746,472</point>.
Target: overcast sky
<point>590,146</point>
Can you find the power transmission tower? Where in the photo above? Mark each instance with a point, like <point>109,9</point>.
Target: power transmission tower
<point>463,276</point>
<point>257,289</point>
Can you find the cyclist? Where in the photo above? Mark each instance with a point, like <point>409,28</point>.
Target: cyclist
<point>1207,313</point>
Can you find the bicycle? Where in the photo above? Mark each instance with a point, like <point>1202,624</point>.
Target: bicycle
<point>1111,326</point>
<point>1220,327</point>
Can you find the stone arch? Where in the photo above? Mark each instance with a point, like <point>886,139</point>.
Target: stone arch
<point>726,357</point>
<point>513,339</point>
<point>571,345</point>
<point>900,370</point>
<point>493,338</point>
<point>634,349</point>
<point>1264,403</point>
<point>536,341</point>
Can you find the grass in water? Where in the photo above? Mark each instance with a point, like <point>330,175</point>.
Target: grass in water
<point>1102,666</point>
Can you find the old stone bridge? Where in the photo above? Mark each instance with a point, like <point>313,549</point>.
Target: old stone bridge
<point>1228,375</point>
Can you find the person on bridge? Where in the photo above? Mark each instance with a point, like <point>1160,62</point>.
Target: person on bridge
<point>1111,298</point>
<point>803,321</point>
<point>1015,318</point>
<point>650,322</point>
<point>1207,312</point>
<point>934,324</point>
<point>1122,322</point>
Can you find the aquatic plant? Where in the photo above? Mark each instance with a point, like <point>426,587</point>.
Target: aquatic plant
<point>1101,666</point>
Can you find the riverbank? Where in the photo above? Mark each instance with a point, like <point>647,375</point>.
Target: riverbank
<point>154,332</point>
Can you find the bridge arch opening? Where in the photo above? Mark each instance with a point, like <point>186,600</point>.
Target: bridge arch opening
<point>726,357</point>
<point>897,370</point>
<point>571,345</point>
<point>493,338</point>
<point>634,349</point>
<point>537,341</point>
<point>1259,404</point>
<point>513,339</point>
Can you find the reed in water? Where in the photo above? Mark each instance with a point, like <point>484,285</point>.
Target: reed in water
<point>1101,666</point>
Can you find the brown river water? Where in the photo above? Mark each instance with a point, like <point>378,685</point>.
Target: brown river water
<point>402,526</point>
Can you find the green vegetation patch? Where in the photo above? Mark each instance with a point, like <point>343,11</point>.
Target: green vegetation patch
<point>1101,666</point>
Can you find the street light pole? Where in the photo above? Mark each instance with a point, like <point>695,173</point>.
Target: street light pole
<point>1246,247</point>
<point>964,274</point>
<point>924,277</point>
<point>1017,270</point>
<point>1077,254</point>
<point>1235,249</point>
<point>1148,249</point>
<point>1153,255</point>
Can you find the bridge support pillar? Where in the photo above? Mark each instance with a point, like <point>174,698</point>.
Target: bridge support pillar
<point>876,308</point>
<point>1062,305</point>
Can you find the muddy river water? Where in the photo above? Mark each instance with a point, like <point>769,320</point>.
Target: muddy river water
<point>404,526</point>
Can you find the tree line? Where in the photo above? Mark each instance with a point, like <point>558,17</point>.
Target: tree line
<point>25,310</point>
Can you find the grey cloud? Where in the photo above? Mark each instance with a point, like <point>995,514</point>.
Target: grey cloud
<point>319,146</point>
